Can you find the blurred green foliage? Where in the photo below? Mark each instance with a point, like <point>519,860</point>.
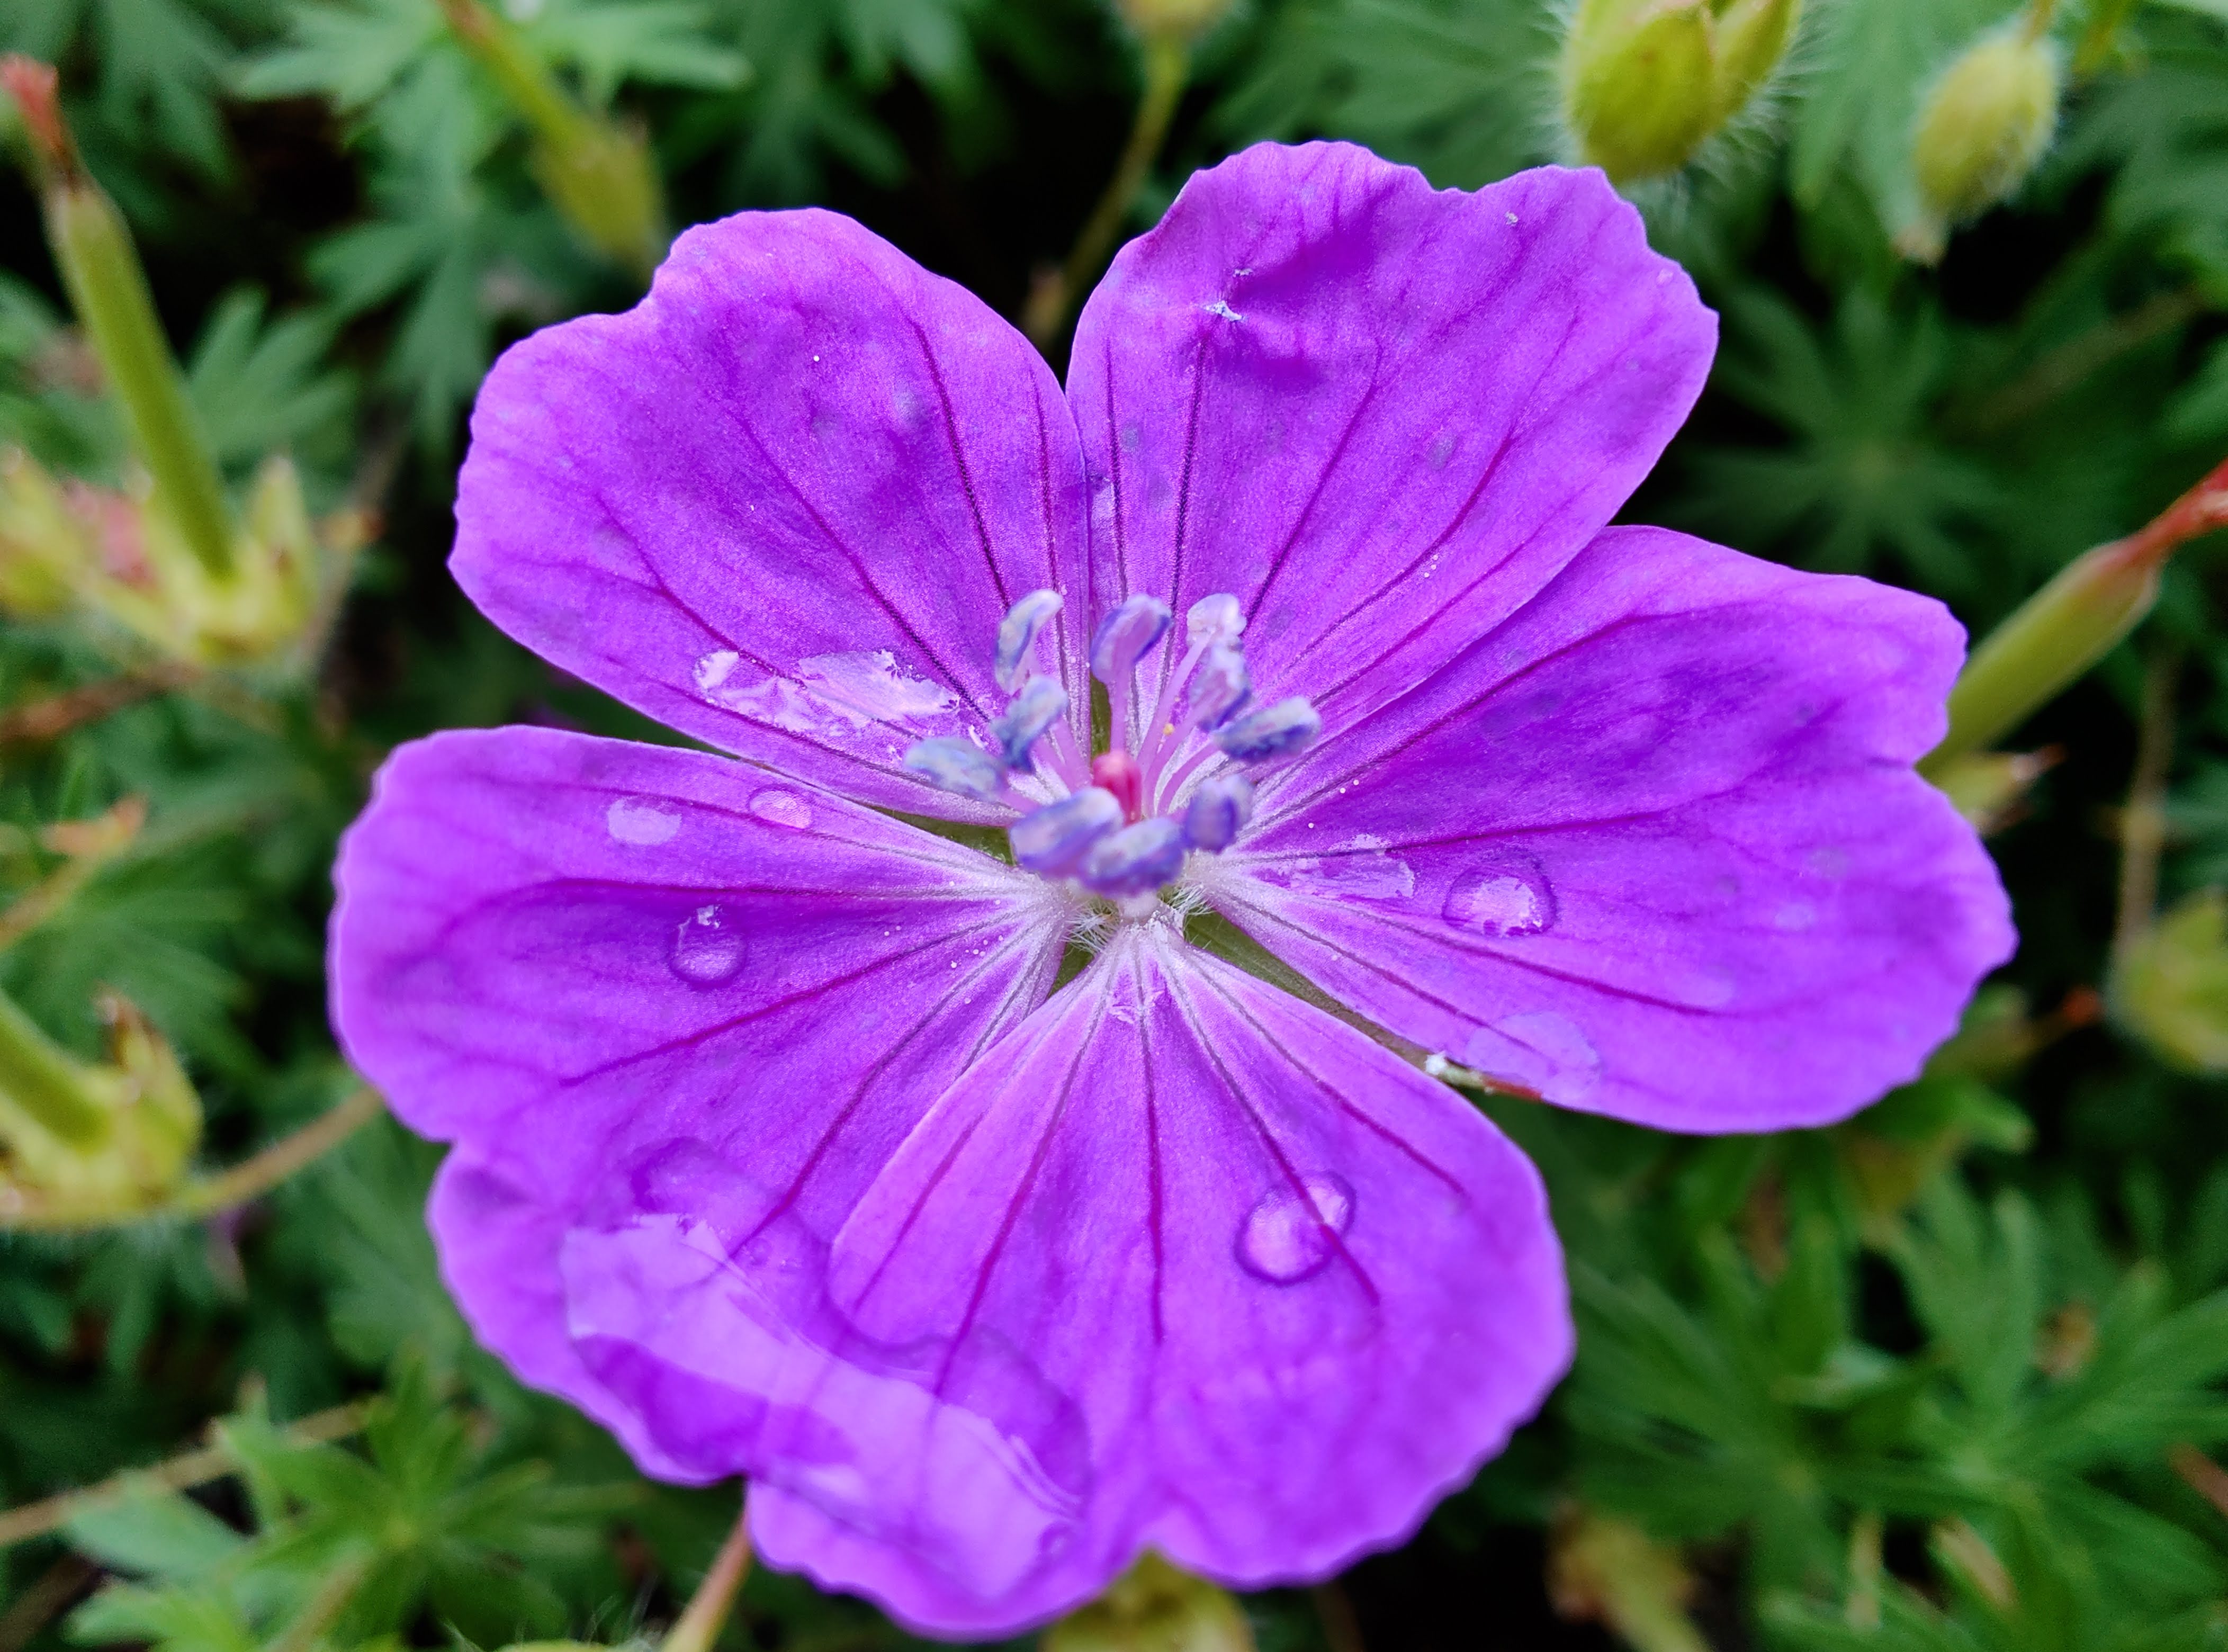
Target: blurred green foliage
<point>1949,1376</point>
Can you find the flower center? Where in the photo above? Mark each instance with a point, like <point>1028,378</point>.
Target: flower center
<point>1121,822</point>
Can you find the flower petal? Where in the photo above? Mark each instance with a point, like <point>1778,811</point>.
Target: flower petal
<point>782,504</point>
<point>1652,848</point>
<point>1084,1311</point>
<point>1381,416</point>
<point>624,978</point>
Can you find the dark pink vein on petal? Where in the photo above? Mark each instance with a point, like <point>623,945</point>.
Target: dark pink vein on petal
<point>1275,1149</point>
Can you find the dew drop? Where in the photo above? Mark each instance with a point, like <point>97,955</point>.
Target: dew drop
<point>1506,900</point>
<point>1794,917</point>
<point>782,808</point>
<point>641,821</point>
<point>1286,1238</point>
<point>706,948</point>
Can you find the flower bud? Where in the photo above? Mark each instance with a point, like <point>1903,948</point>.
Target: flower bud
<point>1153,1607</point>
<point>597,173</point>
<point>1981,130</point>
<point>121,557</point>
<point>83,1141</point>
<point>2169,985</point>
<point>1647,82</point>
<point>1172,20</point>
<point>600,177</point>
<point>2059,632</point>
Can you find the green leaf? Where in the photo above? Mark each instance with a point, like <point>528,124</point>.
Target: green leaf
<point>155,1533</point>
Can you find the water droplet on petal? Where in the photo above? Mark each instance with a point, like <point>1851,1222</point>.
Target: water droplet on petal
<point>706,948</point>
<point>782,808</point>
<point>711,671</point>
<point>641,821</point>
<point>1794,916</point>
<point>1288,1238</point>
<point>1504,899</point>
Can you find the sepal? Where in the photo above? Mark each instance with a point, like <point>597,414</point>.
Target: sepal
<point>1154,1607</point>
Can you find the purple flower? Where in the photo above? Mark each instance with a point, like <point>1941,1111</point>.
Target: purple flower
<point>776,1148</point>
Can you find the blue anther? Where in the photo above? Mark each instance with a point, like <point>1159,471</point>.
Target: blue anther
<point>1041,703</point>
<point>1126,636</point>
<point>1017,636</point>
<point>1218,619</point>
<point>1137,860</point>
<point>949,764</point>
<point>1272,730</point>
<point>1055,838</point>
<point>1222,804</point>
<point>1219,686</point>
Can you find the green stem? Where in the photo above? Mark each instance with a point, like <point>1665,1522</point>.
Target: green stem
<point>524,77</point>
<point>39,1076</point>
<point>2059,632</point>
<point>1168,65</point>
<point>701,1621</point>
<point>108,290</point>
<point>2143,823</point>
<point>598,175</point>
<point>2097,39</point>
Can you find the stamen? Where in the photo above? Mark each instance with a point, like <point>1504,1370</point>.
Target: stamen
<point>1117,772</point>
<point>1218,689</point>
<point>1041,703</point>
<point>1222,804</point>
<point>1211,627</point>
<point>1137,860</point>
<point>1218,619</point>
<point>1125,637</point>
<point>1055,839</point>
<point>949,764</point>
<point>1017,637</point>
<point>1272,731</point>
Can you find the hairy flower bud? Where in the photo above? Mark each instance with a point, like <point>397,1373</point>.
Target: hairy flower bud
<point>1647,82</point>
<point>1981,130</point>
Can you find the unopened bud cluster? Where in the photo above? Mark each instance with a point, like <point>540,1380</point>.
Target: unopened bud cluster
<point>1646,83</point>
<point>163,559</point>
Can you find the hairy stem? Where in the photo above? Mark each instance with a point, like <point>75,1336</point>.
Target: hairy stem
<point>699,1623</point>
<point>108,290</point>
<point>2143,826</point>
